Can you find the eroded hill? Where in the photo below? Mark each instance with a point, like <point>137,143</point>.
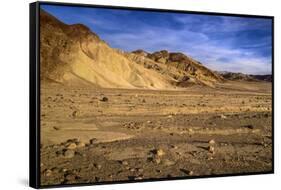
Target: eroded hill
<point>74,55</point>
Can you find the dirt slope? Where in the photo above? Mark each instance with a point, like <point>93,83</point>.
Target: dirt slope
<point>74,55</point>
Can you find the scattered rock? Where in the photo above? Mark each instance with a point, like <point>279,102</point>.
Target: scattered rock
<point>55,170</point>
<point>159,152</point>
<point>98,166</point>
<point>104,99</point>
<point>249,126</point>
<point>125,163</point>
<point>187,172</point>
<point>75,140</point>
<point>69,154</point>
<point>138,178</point>
<point>75,113</point>
<point>93,140</point>
<point>212,142</point>
<point>81,144</point>
<point>211,149</point>
<point>70,177</point>
<point>48,173</point>
<point>168,162</point>
<point>64,170</point>
<point>223,116</point>
<point>71,146</point>
<point>190,131</point>
<point>139,169</point>
<point>56,128</point>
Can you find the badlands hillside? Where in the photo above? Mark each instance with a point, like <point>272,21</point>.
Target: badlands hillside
<point>74,55</point>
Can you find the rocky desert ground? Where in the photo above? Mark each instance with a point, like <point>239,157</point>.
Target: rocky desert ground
<point>102,135</point>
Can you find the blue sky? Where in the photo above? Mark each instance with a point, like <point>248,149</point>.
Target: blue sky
<point>223,43</point>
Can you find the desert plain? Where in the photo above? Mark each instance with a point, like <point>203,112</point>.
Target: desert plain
<point>91,135</point>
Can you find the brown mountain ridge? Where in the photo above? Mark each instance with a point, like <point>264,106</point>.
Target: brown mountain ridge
<point>74,55</point>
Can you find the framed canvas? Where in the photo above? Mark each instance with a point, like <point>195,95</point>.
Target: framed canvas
<point>121,94</point>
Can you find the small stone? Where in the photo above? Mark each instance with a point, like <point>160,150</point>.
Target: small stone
<point>75,113</point>
<point>249,126</point>
<point>55,169</point>
<point>104,99</point>
<point>81,144</point>
<point>48,173</point>
<point>212,142</point>
<point>174,147</point>
<point>56,128</point>
<point>71,146</point>
<point>211,149</point>
<point>187,172</point>
<point>69,154</point>
<point>93,140</point>
<point>70,177</point>
<point>64,170</point>
<point>138,178</point>
<point>168,162</point>
<point>132,169</point>
<point>223,116</point>
<point>98,166</point>
<point>125,163</point>
<point>139,169</point>
<point>97,179</point>
<point>160,152</point>
<point>75,140</point>
<point>149,122</point>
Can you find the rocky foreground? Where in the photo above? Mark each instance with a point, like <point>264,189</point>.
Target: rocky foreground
<point>101,135</point>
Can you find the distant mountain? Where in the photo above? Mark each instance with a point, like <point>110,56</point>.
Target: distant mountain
<point>245,77</point>
<point>267,78</point>
<point>183,69</point>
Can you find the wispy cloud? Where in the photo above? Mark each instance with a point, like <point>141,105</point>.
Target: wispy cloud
<point>236,44</point>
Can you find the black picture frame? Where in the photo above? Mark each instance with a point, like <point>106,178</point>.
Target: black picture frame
<point>34,91</point>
